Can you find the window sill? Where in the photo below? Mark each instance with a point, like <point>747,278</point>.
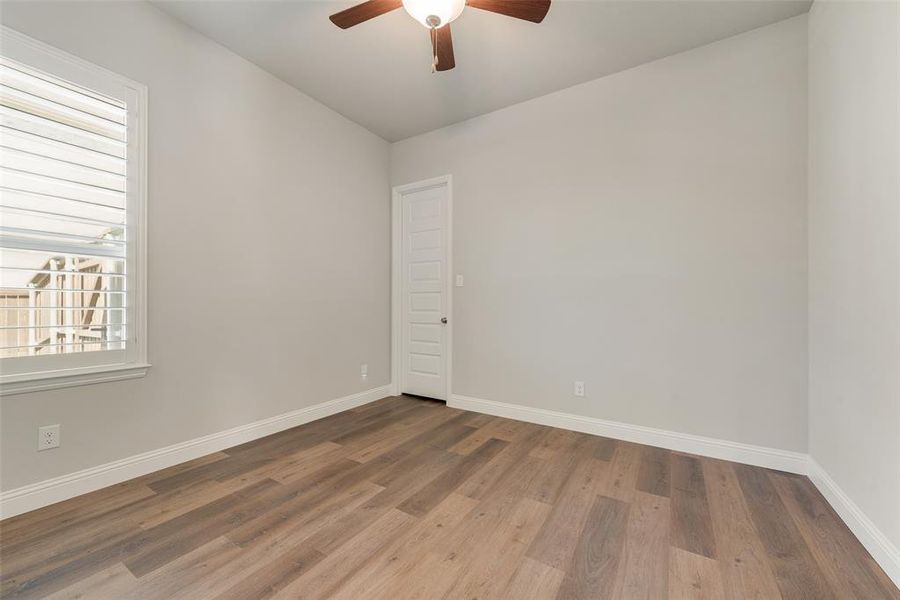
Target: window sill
<point>51,380</point>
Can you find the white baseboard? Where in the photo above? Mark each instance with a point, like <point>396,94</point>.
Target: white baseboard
<point>51,491</point>
<point>760,456</point>
<point>879,546</point>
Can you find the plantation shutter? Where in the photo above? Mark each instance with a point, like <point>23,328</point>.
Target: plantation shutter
<point>62,216</point>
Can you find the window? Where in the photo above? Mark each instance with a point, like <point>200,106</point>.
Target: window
<point>72,243</point>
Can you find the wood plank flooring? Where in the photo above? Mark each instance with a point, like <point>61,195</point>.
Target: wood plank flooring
<point>406,498</point>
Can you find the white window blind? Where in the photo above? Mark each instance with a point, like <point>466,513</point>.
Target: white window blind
<point>63,234</point>
<point>72,214</point>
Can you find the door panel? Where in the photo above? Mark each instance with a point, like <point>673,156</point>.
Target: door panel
<point>424,291</point>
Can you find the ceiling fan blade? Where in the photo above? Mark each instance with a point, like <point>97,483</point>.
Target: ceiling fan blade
<point>529,10</point>
<point>442,44</point>
<point>363,12</point>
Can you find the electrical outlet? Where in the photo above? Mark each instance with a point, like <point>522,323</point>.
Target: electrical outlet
<point>48,437</point>
<point>364,371</point>
<point>459,281</point>
<point>579,389</point>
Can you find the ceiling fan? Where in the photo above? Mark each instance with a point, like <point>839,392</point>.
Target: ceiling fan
<point>436,15</point>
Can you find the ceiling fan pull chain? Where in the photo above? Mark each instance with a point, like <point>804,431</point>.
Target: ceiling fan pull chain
<point>434,56</point>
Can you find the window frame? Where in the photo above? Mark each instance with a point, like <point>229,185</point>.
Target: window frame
<point>35,373</point>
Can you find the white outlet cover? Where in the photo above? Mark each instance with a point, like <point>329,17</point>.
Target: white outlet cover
<point>459,281</point>
<point>364,370</point>
<point>579,388</point>
<point>48,437</point>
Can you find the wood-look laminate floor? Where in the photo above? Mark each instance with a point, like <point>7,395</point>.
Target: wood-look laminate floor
<point>406,498</point>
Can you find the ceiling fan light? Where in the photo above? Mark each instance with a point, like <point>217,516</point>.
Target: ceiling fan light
<point>445,10</point>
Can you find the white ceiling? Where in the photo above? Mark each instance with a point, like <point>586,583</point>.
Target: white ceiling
<point>379,73</point>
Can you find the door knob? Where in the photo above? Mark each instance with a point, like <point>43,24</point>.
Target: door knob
<point>444,320</point>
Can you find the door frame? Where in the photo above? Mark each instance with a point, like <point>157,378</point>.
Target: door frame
<point>398,283</point>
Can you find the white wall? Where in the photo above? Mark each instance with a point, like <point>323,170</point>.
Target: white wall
<point>269,264</point>
<point>854,253</point>
<point>645,233</point>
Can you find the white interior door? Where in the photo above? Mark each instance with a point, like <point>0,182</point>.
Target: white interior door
<point>425,293</point>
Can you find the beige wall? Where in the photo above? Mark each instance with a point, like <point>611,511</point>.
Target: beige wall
<point>854,253</point>
<point>269,264</point>
<point>657,252</point>
<point>644,233</point>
